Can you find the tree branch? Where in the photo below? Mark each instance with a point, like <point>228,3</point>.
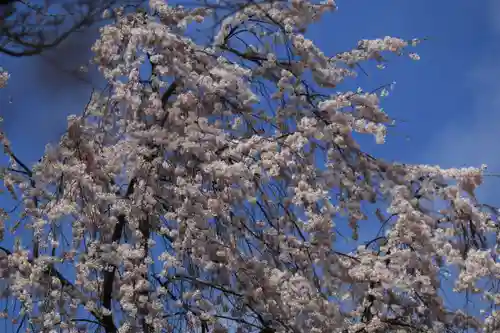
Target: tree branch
<point>108,322</point>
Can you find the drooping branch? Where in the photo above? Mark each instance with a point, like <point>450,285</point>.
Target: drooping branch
<point>109,274</point>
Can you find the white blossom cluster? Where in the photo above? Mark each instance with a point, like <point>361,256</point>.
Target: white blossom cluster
<point>187,206</point>
<point>4,77</point>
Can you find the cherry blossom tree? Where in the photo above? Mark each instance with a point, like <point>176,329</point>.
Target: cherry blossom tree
<point>205,191</point>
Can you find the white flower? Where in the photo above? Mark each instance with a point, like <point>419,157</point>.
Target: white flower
<point>414,56</point>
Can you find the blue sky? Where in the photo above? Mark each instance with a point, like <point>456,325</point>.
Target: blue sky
<point>446,105</point>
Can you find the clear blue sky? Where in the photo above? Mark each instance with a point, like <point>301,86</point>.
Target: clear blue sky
<point>447,104</point>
